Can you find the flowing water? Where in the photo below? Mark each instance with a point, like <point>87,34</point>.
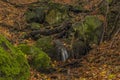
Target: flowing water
<point>61,50</point>
<point>64,54</point>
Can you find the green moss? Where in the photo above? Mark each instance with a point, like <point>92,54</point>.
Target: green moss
<point>13,64</point>
<point>109,1</point>
<point>24,48</point>
<point>45,44</point>
<point>30,15</point>
<point>6,78</point>
<point>29,50</point>
<point>39,59</point>
<point>52,13</point>
<point>9,68</point>
<point>36,25</point>
<point>56,16</point>
<point>90,30</point>
<point>36,14</point>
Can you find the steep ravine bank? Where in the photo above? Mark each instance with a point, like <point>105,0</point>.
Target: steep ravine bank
<point>101,63</point>
<point>37,28</point>
<point>58,21</point>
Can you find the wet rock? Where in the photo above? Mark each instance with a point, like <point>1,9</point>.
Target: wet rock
<point>61,51</point>
<point>54,48</point>
<point>80,49</point>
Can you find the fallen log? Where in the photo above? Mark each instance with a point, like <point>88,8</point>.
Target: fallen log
<point>46,32</point>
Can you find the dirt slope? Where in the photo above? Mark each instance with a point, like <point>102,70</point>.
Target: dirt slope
<point>102,63</point>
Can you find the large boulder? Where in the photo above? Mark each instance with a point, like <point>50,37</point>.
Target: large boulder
<point>36,14</point>
<point>56,14</point>
<point>46,44</point>
<point>41,61</point>
<point>80,48</point>
<point>13,64</point>
<point>90,30</point>
<point>50,13</point>
<point>38,59</point>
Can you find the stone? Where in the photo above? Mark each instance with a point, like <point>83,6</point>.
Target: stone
<point>55,16</point>
<point>45,44</point>
<point>36,15</point>
<point>51,13</point>
<point>90,30</point>
<point>39,60</point>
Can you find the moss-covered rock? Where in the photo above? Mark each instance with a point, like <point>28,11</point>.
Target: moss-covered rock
<point>51,13</point>
<point>39,59</point>
<point>28,50</point>
<point>36,26</point>
<point>13,64</point>
<point>45,44</point>
<point>109,1</point>
<point>36,14</point>
<point>56,15</point>
<point>90,30</point>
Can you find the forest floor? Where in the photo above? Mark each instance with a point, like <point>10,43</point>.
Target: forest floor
<point>101,63</point>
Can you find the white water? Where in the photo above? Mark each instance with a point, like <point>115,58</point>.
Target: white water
<point>61,50</point>
<point>64,54</point>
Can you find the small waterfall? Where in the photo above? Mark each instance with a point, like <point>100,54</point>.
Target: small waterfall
<point>64,54</point>
<point>61,50</point>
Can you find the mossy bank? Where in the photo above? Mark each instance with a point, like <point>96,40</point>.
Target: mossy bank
<point>13,64</point>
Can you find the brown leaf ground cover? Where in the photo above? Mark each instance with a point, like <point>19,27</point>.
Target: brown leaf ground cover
<point>102,63</point>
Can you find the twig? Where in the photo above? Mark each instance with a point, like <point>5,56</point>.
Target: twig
<point>5,25</point>
<point>115,23</point>
<point>114,37</point>
<point>20,5</point>
<point>106,22</point>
